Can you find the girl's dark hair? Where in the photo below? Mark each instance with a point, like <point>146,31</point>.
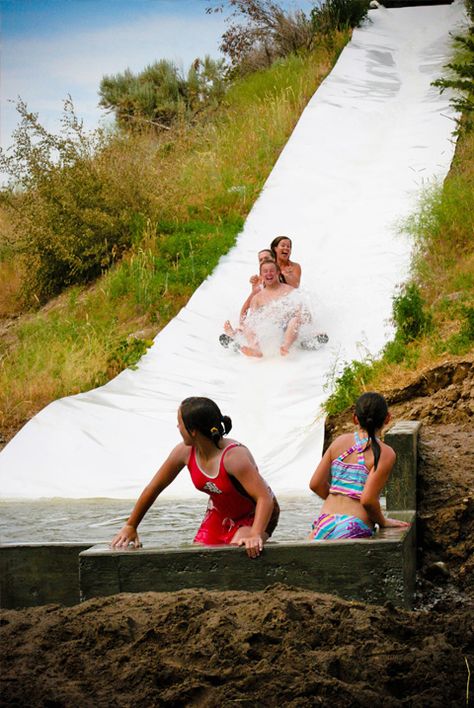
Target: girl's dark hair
<point>276,241</point>
<point>371,410</point>
<point>202,414</point>
<point>266,250</point>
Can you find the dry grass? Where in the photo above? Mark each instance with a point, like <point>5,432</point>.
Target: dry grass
<point>11,279</point>
<point>443,270</point>
<point>196,185</point>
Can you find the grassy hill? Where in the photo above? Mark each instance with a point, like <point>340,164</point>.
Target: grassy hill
<point>175,203</point>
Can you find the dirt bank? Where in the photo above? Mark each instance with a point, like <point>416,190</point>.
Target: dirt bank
<point>284,646</point>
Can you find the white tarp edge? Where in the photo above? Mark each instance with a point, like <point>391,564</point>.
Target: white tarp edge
<point>373,135</point>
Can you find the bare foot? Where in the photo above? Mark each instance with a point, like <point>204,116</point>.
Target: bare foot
<point>228,329</point>
<point>284,351</point>
<point>249,351</point>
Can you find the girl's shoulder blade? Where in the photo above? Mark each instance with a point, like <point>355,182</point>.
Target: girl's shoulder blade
<point>341,444</point>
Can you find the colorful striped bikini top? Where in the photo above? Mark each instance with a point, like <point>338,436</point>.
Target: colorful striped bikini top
<point>349,478</point>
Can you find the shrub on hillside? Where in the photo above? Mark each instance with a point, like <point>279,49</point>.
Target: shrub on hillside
<point>409,314</point>
<point>160,94</point>
<point>337,15</point>
<point>462,81</point>
<point>72,214</point>
<point>261,31</point>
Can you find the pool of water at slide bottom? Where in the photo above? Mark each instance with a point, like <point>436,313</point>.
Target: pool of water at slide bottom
<point>169,523</point>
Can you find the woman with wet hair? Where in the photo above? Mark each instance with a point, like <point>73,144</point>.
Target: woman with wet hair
<point>242,509</point>
<point>351,475</point>
<point>291,271</point>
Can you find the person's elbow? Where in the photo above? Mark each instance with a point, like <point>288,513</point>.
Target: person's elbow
<point>320,488</point>
<point>369,503</point>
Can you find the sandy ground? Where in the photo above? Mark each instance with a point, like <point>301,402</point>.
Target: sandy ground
<point>283,646</point>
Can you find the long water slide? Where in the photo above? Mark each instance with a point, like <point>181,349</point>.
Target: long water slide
<point>372,137</point>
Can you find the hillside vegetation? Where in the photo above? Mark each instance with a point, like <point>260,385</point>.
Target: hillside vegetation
<point>433,312</point>
<point>170,204</point>
<point>101,247</point>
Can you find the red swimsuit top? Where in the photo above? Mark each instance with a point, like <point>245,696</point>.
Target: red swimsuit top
<point>223,492</point>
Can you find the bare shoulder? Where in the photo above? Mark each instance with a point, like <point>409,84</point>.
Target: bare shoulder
<point>180,453</point>
<point>237,455</point>
<point>341,443</point>
<point>388,453</point>
<point>257,299</point>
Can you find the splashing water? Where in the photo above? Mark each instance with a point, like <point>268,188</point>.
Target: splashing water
<point>269,323</point>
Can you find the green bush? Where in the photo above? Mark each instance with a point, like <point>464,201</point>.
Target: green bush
<point>160,94</point>
<point>337,15</point>
<point>409,314</point>
<point>349,386</point>
<point>71,220</point>
<point>462,80</point>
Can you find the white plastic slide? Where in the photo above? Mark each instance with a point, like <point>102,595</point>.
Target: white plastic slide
<point>374,134</point>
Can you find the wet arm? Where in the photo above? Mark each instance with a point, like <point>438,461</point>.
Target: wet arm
<point>320,481</point>
<point>240,465</point>
<point>164,476</point>
<point>246,306</point>
<point>376,481</point>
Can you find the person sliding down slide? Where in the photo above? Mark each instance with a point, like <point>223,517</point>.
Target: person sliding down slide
<point>272,304</point>
<point>257,284</point>
<point>281,250</point>
<point>310,339</point>
<point>242,509</point>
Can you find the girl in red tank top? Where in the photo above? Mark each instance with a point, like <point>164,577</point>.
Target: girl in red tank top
<point>241,510</point>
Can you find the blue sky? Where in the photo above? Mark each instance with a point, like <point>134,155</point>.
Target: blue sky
<point>51,48</point>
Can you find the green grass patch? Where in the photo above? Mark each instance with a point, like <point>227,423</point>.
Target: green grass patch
<point>175,202</point>
<point>348,386</point>
<point>434,312</point>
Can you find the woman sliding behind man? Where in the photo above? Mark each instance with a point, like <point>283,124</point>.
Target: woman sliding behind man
<point>280,248</point>
<point>242,509</point>
<point>289,274</point>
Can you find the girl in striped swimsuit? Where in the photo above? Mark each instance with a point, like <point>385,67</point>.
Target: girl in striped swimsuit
<point>352,474</point>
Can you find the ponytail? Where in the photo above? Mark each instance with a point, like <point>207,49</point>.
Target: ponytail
<point>202,414</point>
<point>374,443</point>
<point>371,410</point>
